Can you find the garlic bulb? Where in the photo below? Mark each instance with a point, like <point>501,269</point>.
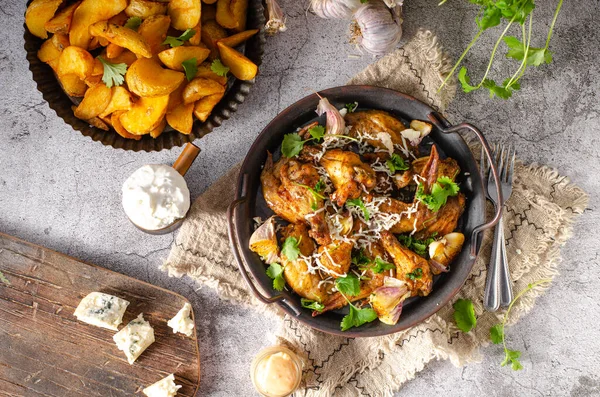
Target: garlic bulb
<point>276,22</point>
<point>376,28</point>
<point>334,9</point>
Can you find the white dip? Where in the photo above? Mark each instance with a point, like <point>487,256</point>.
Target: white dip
<point>155,196</point>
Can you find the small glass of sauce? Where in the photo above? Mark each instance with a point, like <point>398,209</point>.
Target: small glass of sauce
<point>276,371</point>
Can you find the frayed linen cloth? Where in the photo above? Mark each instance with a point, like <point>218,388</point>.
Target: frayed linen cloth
<point>538,220</point>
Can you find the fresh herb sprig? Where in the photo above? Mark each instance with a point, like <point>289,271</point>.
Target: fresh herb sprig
<point>351,107</point>
<point>275,272</point>
<point>357,317</point>
<point>464,315</point>
<point>114,73</point>
<point>416,245</point>
<point>178,41</point>
<point>359,203</point>
<point>396,163</point>
<point>440,191</point>
<point>290,248</point>
<point>217,67</point>
<point>348,285</point>
<point>311,304</point>
<point>497,334</point>
<point>190,67</point>
<point>316,192</point>
<point>490,15</point>
<point>381,266</point>
<point>293,144</point>
<point>415,274</point>
<point>133,23</point>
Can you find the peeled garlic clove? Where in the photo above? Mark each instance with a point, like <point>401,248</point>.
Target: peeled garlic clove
<point>334,9</point>
<point>376,28</point>
<point>276,22</point>
<point>443,252</point>
<point>335,122</point>
<point>264,241</point>
<point>347,223</point>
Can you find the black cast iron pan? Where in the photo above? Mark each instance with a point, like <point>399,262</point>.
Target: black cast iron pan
<point>249,203</point>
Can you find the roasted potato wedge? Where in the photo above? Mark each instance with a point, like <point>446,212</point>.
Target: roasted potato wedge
<point>95,121</point>
<point>239,8</point>
<point>51,49</point>
<point>113,50</point>
<point>146,78</point>
<point>173,57</point>
<point>145,115</point>
<point>38,13</point>
<point>77,61</point>
<point>209,11</point>
<point>61,23</point>
<point>185,14</point>
<point>72,84</point>
<point>211,33</point>
<point>92,80</point>
<point>181,118</point>
<point>116,124</point>
<point>199,88</point>
<point>238,38</point>
<point>240,66</point>
<point>119,101</point>
<point>196,38</point>
<point>145,8</point>
<point>154,31</point>
<point>88,13</point>
<point>225,15</point>
<point>123,37</point>
<point>204,107</point>
<point>176,98</point>
<point>155,133</point>
<point>205,71</point>
<point>119,19</point>
<point>127,57</point>
<point>95,100</point>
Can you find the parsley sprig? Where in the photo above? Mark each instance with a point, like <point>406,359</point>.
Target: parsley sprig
<point>293,144</point>
<point>133,23</point>
<point>359,203</point>
<point>381,266</point>
<point>351,107</point>
<point>275,272</point>
<point>290,248</point>
<point>217,67</point>
<point>396,163</point>
<point>178,41</point>
<point>414,244</point>
<point>415,274</point>
<point>190,67</point>
<point>113,72</point>
<point>441,190</point>
<point>464,315</point>
<point>311,304</point>
<point>348,285</point>
<point>357,317</point>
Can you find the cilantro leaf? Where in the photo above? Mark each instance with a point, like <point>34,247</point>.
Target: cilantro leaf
<point>501,91</point>
<point>357,317</point>
<point>133,23</point>
<point>317,132</point>
<point>512,357</point>
<point>290,248</point>
<point>489,18</point>
<point>275,272</point>
<point>191,68</point>
<point>416,245</point>
<point>320,186</point>
<point>440,191</point>
<point>113,72</point>
<point>415,274</point>
<point>316,195</point>
<point>465,81</point>
<point>292,145</point>
<point>310,304</point>
<point>177,41</point>
<point>359,203</point>
<point>381,266</point>
<point>535,56</point>
<point>351,107</point>
<point>396,163</point>
<point>349,285</point>
<point>497,334</point>
<point>464,315</point>
<point>217,67</point>
<point>360,259</point>
<point>4,279</point>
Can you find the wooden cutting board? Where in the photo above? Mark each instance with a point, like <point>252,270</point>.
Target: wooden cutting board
<point>45,351</point>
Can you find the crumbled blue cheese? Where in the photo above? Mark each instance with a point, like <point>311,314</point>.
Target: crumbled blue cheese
<point>182,321</point>
<point>165,387</point>
<point>101,310</point>
<point>134,338</point>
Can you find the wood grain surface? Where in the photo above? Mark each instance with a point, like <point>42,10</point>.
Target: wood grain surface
<point>45,351</point>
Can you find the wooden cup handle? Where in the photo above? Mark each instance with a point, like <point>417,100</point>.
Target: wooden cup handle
<point>186,158</point>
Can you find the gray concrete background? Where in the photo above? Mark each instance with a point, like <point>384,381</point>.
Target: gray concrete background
<point>61,190</point>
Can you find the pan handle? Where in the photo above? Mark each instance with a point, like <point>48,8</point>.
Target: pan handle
<point>235,248</point>
<point>442,124</point>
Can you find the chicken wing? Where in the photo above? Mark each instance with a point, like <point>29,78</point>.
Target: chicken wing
<point>349,175</point>
<point>336,257</point>
<point>410,267</point>
<point>445,220</point>
<point>371,282</point>
<point>373,123</point>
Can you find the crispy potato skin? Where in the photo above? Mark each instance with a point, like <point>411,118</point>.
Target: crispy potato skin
<point>185,14</point>
<point>173,57</point>
<point>211,32</point>
<point>119,101</point>
<point>73,85</point>
<point>154,30</point>
<point>145,8</point>
<point>51,49</point>
<point>61,23</point>
<point>77,61</point>
<point>95,100</point>
<point>240,66</point>
<point>181,118</point>
<point>122,37</point>
<point>225,15</point>
<point>38,13</point>
<point>238,38</point>
<point>146,78</point>
<point>205,106</point>
<point>88,13</point>
<point>116,124</point>
<point>199,88</point>
<point>145,115</point>
<point>239,8</point>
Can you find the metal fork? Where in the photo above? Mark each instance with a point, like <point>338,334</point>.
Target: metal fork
<point>498,285</point>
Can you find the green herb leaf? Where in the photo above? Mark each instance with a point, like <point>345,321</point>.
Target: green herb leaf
<point>497,334</point>
<point>381,266</point>
<point>275,272</point>
<point>359,203</point>
<point>396,163</point>
<point>357,317</point>
<point>133,23</point>
<point>364,1</point>
<point>292,145</point>
<point>535,56</point>
<point>349,285</point>
<point>512,357</point>
<point>416,245</point>
<point>191,68</point>
<point>177,41</point>
<point>360,259</point>
<point>490,18</point>
<point>310,304</point>
<point>113,73</point>
<point>351,107</point>
<point>290,248</point>
<point>465,80</point>
<point>320,186</point>
<point>317,132</point>
<point>415,274</point>
<point>441,190</point>
<point>464,315</point>
<point>218,67</point>
<point>501,91</point>
<point>4,279</point>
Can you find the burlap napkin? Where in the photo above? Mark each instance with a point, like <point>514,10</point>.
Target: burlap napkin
<point>538,220</point>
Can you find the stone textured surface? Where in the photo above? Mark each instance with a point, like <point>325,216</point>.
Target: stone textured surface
<point>61,190</point>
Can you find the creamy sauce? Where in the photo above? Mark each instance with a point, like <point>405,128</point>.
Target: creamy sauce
<point>155,196</point>
<point>277,375</point>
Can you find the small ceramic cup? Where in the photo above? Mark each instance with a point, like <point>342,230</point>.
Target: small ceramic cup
<point>264,355</point>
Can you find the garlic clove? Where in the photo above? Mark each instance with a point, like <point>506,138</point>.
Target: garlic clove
<point>264,241</point>
<point>443,252</point>
<point>334,9</point>
<point>276,22</point>
<point>335,125</point>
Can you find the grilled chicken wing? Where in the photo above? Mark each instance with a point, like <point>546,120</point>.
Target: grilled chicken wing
<point>284,186</point>
<point>296,272</point>
<point>337,257</point>
<point>407,265</point>
<point>445,220</point>
<point>348,174</point>
<point>336,300</point>
<point>375,124</point>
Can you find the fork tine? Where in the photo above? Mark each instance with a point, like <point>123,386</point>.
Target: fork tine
<point>500,162</point>
<point>511,171</point>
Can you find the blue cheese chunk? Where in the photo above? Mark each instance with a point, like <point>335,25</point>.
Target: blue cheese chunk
<point>134,338</point>
<point>101,310</point>
<point>165,387</point>
<point>182,321</point>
